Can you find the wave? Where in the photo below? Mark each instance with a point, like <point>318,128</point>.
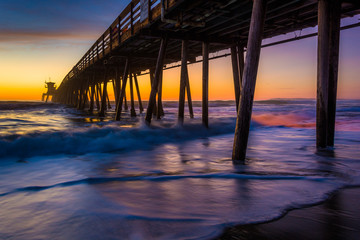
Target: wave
<point>107,139</point>
<point>168,177</point>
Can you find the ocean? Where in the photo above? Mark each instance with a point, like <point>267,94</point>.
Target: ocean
<point>66,174</point>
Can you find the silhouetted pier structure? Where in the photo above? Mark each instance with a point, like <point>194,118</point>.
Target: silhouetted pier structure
<point>51,91</point>
<point>149,34</point>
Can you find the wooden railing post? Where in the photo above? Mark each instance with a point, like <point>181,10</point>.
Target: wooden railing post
<point>132,18</point>
<point>103,45</point>
<point>110,39</point>
<point>119,31</point>
<point>149,11</point>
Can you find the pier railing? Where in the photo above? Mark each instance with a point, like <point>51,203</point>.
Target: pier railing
<point>136,15</point>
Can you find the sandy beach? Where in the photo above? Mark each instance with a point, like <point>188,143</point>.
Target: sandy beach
<point>336,218</point>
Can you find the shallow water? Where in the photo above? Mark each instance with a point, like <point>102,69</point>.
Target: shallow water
<point>65,174</point>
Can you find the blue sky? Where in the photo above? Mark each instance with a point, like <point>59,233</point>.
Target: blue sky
<point>23,20</point>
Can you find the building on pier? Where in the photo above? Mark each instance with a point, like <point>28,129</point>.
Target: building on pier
<point>51,91</point>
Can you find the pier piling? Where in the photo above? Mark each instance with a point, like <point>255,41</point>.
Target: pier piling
<point>328,55</point>
<point>249,78</point>
<point>132,108</point>
<point>155,84</point>
<point>122,92</point>
<point>236,78</point>
<point>183,76</point>
<point>205,84</point>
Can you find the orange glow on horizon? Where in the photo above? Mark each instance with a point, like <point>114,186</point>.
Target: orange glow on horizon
<point>285,71</point>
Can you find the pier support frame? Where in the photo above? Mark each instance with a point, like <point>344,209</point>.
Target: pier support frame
<point>155,83</point>
<point>329,13</point>
<point>249,78</point>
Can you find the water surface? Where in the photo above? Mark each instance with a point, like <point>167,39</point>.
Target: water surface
<point>65,174</point>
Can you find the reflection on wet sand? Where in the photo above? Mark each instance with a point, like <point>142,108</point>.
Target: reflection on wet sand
<point>337,218</point>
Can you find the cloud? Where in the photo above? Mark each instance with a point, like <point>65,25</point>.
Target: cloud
<point>26,36</point>
<point>24,20</point>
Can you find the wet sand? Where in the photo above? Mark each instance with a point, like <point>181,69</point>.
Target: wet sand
<point>336,218</point>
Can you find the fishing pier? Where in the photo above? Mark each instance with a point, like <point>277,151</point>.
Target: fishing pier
<point>149,34</point>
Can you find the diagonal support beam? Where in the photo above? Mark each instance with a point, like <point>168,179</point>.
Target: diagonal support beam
<point>141,108</point>
<point>132,108</point>
<point>235,68</point>
<point>184,53</point>
<point>122,92</point>
<point>155,83</point>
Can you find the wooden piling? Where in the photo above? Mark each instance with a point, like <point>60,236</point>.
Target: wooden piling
<point>155,84</point>
<point>122,92</point>
<point>97,96</point>
<point>91,109</point>
<point>241,63</point>
<point>85,97</point>
<point>205,84</point>
<point>81,95</point>
<point>100,91</point>
<point>115,91</point>
<point>132,108</point>
<point>118,89</point>
<point>249,78</point>
<point>108,100</point>
<point>160,110</point>
<point>322,72</point>
<point>335,16</point>
<point>152,76</point>
<point>141,108</point>
<point>182,81</point>
<point>235,68</point>
<point>188,93</point>
<point>126,107</point>
<point>103,99</point>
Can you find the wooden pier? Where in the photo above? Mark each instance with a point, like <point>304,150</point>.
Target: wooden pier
<point>149,34</point>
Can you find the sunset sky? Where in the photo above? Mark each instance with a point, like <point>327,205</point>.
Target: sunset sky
<point>41,39</point>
